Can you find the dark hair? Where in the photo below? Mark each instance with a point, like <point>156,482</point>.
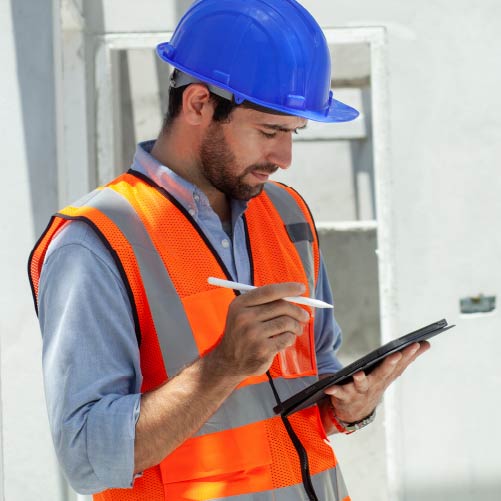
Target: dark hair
<point>222,107</point>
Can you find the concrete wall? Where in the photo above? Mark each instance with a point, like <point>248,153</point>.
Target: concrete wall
<point>29,196</point>
<point>350,257</point>
<point>444,86</point>
<point>351,261</point>
<point>445,127</point>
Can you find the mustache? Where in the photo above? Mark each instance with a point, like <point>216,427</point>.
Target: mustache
<point>267,168</point>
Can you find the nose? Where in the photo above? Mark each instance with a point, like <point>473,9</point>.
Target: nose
<point>280,153</point>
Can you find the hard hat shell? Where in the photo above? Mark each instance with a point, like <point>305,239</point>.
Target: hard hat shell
<point>269,52</point>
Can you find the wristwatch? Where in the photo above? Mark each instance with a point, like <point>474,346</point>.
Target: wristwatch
<point>347,428</point>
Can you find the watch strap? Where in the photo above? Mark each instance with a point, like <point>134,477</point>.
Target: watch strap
<point>347,428</point>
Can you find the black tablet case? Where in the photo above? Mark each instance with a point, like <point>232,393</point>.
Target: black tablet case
<point>315,392</point>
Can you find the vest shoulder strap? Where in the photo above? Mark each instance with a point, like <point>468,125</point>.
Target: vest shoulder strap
<point>299,225</point>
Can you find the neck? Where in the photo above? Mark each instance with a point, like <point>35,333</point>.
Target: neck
<point>222,208</point>
<point>172,150</point>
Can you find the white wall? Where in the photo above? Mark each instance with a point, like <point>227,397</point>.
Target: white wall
<point>444,89</point>
<point>445,78</point>
<point>28,196</point>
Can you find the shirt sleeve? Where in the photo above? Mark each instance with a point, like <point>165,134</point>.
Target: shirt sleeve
<point>328,335</point>
<point>90,361</point>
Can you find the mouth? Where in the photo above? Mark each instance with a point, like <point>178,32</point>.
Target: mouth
<point>261,176</point>
<point>262,173</point>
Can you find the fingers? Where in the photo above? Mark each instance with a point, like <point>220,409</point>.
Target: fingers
<point>361,382</point>
<point>269,311</point>
<point>411,353</point>
<point>359,387</point>
<point>271,292</point>
<point>259,324</point>
<point>273,317</point>
<point>394,365</point>
<point>382,376</point>
<point>282,324</point>
<point>282,341</point>
<point>388,366</point>
<point>357,399</point>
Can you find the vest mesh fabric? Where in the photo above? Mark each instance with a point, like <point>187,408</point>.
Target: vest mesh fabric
<point>161,217</point>
<point>182,248</point>
<point>320,455</point>
<point>275,252</point>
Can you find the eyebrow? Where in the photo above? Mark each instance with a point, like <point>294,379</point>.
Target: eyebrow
<point>281,128</point>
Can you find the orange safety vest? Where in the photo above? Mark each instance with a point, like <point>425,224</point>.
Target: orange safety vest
<point>165,259</point>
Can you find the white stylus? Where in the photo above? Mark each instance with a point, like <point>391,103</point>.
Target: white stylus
<point>227,284</point>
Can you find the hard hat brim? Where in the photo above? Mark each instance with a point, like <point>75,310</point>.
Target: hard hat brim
<point>337,111</point>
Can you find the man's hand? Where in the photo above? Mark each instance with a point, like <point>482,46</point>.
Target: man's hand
<point>356,400</point>
<point>259,325</point>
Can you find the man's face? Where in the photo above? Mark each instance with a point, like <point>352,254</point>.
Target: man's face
<point>237,157</point>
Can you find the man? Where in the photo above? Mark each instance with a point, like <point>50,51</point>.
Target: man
<point>159,385</point>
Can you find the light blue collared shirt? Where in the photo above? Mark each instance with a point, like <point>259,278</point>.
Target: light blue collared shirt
<point>91,366</point>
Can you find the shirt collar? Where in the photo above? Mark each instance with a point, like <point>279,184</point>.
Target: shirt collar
<point>189,195</point>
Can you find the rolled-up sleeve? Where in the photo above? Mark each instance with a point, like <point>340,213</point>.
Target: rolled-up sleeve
<point>91,365</point>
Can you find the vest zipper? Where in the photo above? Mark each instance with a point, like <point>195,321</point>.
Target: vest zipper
<point>301,451</point>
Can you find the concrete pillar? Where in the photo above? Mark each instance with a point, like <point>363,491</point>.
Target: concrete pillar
<point>28,197</point>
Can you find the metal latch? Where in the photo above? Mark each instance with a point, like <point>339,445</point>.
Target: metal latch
<point>478,304</point>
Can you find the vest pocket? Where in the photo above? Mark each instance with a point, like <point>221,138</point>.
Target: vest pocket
<point>299,360</point>
<point>218,464</point>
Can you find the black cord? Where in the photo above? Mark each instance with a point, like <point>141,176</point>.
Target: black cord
<point>301,451</point>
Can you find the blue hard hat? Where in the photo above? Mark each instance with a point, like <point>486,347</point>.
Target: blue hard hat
<point>269,52</point>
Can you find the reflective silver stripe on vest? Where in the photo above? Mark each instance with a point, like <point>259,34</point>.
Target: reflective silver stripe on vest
<point>166,308</point>
<point>329,486</point>
<point>246,405</point>
<point>252,403</point>
<point>291,213</point>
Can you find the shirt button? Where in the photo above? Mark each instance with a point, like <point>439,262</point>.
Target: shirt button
<point>225,243</point>
<point>196,198</point>
<point>192,212</point>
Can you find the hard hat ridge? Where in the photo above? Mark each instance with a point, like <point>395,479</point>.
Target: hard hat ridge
<point>269,52</point>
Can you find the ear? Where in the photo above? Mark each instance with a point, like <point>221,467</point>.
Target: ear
<point>197,105</point>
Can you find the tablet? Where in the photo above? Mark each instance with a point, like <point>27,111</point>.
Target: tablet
<point>312,394</point>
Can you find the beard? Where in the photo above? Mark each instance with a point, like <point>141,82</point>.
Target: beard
<point>217,163</point>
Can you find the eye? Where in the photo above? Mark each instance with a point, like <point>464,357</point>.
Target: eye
<point>269,135</point>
